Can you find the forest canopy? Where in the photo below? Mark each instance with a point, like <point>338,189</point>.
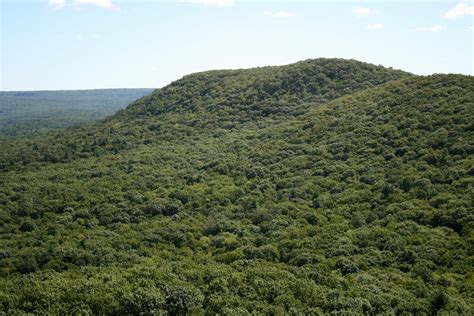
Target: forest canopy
<point>325,186</point>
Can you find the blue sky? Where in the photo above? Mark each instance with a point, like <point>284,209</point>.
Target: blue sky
<point>91,44</point>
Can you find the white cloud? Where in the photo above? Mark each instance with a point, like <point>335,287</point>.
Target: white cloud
<point>362,11</point>
<point>56,4</point>
<point>280,14</point>
<point>215,3</point>
<point>459,11</point>
<point>95,36</point>
<point>471,28</point>
<point>377,26</point>
<point>430,29</point>
<point>107,4</point>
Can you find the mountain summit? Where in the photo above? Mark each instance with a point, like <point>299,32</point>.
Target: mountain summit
<point>213,103</point>
<point>232,98</point>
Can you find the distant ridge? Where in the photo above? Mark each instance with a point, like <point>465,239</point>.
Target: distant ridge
<point>30,111</point>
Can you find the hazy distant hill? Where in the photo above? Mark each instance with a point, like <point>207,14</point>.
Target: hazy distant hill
<point>27,111</point>
<point>324,187</point>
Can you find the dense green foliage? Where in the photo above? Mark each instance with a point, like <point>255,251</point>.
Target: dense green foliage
<point>207,104</point>
<point>28,111</point>
<point>359,205</point>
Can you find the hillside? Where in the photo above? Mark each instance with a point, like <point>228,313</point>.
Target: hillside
<point>358,202</point>
<point>28,111</point>
<point>208,104</point>
<point>231,99</point>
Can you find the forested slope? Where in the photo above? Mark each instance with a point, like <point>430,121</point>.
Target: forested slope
<point>361,205</point>
<point>208,104</point>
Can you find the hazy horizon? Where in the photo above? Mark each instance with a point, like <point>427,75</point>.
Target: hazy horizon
<point>135,88</point>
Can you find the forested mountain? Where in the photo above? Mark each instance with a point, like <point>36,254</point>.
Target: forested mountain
<point>208,104</point>
<point>326,186</point>
<point>29,111</point>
